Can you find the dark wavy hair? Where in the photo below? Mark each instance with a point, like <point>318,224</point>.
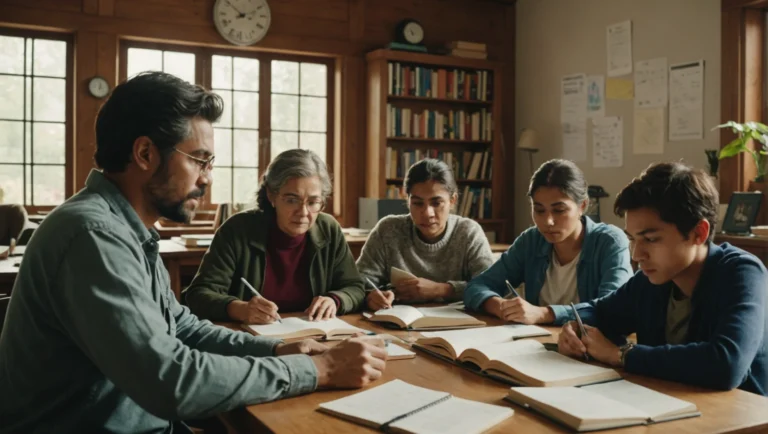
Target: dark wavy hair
<point>562,174</point>
<point>152,104</point>
<point>430,169</point>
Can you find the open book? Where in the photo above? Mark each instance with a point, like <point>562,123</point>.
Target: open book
<point>397,406</point>
<point>603,406</point>
<point>194,240</point>
<point>300,328</point>
<point>425,318</point>
<point>397,275</point>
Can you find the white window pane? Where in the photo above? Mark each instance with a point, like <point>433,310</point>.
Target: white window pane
<point>50,58</point>
<point>221,189</point>
<point>48,185</point>
<point>246,74</point>
<point>12,183</point>
<point>181,65</point>
<point>314,142</point>
<point>28,140</point>
<point>285,77</point>
<point>49,143</point>
<point>282,141</point>
<point>221,72</point>
<point>285,113</point>
<point>11,142</point>
<point>246,148</point>
<point>28,57</point>
<point>246,185</point>
<point>28,98</point>
<point>314,79</point>
<point>226,116</point>
<point>222,139</point>
<point>50,99</point>
<point>140,60</point>
<point>12,97</point>
<point>246,110</point>
<point>313,114</point>
<point>11,55</point>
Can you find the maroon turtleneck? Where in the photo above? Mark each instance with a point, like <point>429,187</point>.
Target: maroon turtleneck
<point>286,278</point>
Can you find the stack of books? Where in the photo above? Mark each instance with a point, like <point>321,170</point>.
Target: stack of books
<point>470,50</point>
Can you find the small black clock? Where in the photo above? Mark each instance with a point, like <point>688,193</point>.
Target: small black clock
<point>409,31</point>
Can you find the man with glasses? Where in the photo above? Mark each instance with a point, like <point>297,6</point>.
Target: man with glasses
<point>94,340</point>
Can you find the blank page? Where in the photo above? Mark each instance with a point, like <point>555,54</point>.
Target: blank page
<point>460,340</point>
<point>295,324</point>
<point>407,314</point>
<point>549,366</point>
<point>510,349</point>
<point>655,404</point>
<point>455,416</point>
<point>581,404</point>
<point>396,351</point>
<point>383,403</point>
<point>444,312</point>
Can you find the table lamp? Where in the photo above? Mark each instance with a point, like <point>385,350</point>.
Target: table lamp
<point>529,143</point>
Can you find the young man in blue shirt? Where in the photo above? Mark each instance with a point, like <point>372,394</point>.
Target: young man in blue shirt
<point>699,310</point>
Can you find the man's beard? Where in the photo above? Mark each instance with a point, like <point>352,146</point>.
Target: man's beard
<point>160,190</point>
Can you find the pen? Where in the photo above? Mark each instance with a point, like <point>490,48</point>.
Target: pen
<point>582,331</point>
<point>511,290</point>
<point>374,288</point>
<point>257,295</point>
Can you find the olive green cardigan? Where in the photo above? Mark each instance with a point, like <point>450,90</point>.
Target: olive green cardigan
<point>239,250</point>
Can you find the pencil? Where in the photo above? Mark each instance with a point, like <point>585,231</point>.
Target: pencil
<point>375,289</point>
<point>257,295</point>
<point>582,330</point>
<point>511,290</point>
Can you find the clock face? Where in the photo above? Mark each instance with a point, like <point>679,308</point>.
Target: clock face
<point>242,22</point>
<point>98,87</point>
<point>413,32</point>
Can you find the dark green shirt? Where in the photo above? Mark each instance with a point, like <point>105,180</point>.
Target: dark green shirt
<point>95,341</point>
<point>239,250</point>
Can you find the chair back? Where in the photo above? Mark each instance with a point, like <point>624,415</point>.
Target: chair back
<point>13,219</point>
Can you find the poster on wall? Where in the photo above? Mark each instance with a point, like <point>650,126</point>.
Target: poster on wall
<point>686,101</point>
<point>573,116</point>
<point>648,136</point>
<point>608,142</point>
<point>619,44</point>
<point>651,83</point>
<point>595,96</point>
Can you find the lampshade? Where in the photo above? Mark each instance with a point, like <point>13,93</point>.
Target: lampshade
<point>528,140</point>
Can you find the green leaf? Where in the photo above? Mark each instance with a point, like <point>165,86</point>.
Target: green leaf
<point>757,135</point>
<point>733,148</point>
<point>731,124</point>
<point>756,126</point>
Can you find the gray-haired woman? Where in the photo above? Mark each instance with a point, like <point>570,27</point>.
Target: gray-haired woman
<point>294,255</point>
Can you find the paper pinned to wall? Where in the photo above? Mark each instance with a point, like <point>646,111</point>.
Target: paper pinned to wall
<point>618,88</point>
<point>596,95</point>
<point>573,116</point>
<point>686,101</point>
<point>608,142</point>
<point>648,137</point>
<point>619,43</point>
<point>651,83</point>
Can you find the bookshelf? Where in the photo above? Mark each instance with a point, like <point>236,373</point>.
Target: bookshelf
<point>423,105</point>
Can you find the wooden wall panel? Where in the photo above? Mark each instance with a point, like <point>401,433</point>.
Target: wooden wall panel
<point>339,29</point>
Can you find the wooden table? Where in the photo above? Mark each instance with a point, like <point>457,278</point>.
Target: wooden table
<point>757,246</point>
<point>731,411</point>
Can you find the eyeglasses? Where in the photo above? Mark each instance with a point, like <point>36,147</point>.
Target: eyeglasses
<point>313,205</point>
<point>205,164</point>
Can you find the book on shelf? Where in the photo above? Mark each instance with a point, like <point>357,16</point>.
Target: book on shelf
<point>466,45</point>
<point>296,328</point>
<point>469,54</point>
<point>466,165</point>
<point>470,125</point>
<point>443,83</point>
<point>424,318</point>
<point>406,47</point>
<point>603,406</point>
<point>194,240</point>
<point>397,406</point>
<point>496,354</point>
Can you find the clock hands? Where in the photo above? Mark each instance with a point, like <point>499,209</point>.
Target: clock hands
<point>240,14</point>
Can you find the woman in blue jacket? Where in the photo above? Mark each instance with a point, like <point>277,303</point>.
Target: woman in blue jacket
<point>567,258</point>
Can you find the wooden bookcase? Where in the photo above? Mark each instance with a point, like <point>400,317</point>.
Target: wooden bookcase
<point>385,93</point>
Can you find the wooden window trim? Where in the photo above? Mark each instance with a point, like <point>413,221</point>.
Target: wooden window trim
<point>203,66</point>
<point>69,118</point>
<point>742,83</point>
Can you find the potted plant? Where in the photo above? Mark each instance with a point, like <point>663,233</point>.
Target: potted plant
<point>745,132</point>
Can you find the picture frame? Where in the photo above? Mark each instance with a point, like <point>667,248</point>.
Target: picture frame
<point>742,211</point>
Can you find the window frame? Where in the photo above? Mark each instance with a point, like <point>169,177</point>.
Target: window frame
<point>203,65</point>
<point>69,118</point>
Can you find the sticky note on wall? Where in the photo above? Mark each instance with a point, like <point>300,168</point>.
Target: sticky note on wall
<point>618,88</point>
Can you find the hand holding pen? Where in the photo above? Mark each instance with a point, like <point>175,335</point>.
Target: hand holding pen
<point>378,299</point>
<point>265,310</point>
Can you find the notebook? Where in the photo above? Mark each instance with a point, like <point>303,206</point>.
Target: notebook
<point>192,242</point>
<point>396,352</point>
<point>397,275</point>
<point>424,318</point>
<point>603,406</point>
<point>296,328</point>
<point>401,407</point>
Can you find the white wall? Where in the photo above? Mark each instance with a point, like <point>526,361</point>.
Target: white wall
<point>561,37</point>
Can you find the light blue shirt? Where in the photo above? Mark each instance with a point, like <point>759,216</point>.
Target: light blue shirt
<point>95,341</point>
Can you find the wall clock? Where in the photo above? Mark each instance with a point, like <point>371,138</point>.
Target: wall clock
<point>242,22</point>
<point>98,87</point>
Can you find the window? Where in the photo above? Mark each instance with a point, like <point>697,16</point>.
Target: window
<point>272,103</point>
<point>35,134</point>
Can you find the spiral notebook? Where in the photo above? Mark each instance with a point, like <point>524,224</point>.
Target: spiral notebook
<point>401,407</point>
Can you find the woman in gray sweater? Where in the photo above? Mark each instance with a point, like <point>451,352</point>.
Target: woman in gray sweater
<point>442,249</point>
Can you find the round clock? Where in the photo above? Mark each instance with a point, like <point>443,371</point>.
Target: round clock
<point>98,87</point>
<point>242,22</point>
<point>410,31</point>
